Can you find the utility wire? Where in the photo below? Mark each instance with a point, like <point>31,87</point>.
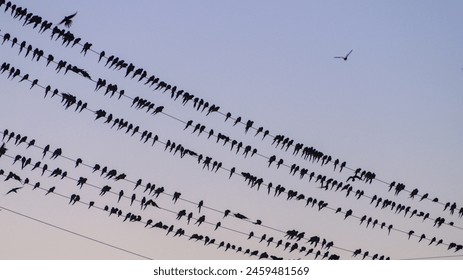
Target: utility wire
<point>74,233</point>
<point>434,258</point>
<point>264,184</point>
<point>175,213</point>
<point>102,54</point>
<point>211,133</point>
<point>102,209</point>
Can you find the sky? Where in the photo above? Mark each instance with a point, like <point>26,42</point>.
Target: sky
<point>393,108</point>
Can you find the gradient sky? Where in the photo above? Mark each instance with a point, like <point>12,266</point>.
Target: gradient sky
<point>394,107</point>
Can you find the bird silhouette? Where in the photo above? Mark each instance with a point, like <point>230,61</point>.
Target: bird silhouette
<point>251,234</point>
<point>85,48</point>
<point>14,190</point>
<point>240,216</point>
<point>344,57</point>
<point>50,190</point>
<point>176,196</point>
<point>56,153</point>
<point>121,194</point>
<point>200,220</point>
<point>81,181</point>
<point>2,150</point>
<point>200,204</point>
<point>67,20</point>
<point>104,190</point>
<point>180,214</point>
<point>12,175</point>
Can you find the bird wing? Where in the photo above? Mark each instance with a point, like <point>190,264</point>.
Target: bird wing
<point>13,190</point>
<point>62,21</point>
<point>349,53</point>
<point>70,16</point>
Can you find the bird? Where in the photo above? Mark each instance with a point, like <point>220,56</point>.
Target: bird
<point>200,204</point>
<point>176,196</point>
<point>67,20</point>
<point>200,220</point>
<point>14,190</point>
<point>45,150</point>
<point>121,194</point>
<point>251,234</point>
<point>52,189</point>
<point>104,190</point>
<point>240,216</point>
<point>3,150</point>
<point>344,57</point>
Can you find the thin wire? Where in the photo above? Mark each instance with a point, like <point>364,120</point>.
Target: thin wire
<point>436,257</point>
<point>99,208</point>
<point>377,179</point>
<point>230,142</point>
<point>74,233</point>
<point>212,224</point>
<point>169,210</point>
<point>264,184</point>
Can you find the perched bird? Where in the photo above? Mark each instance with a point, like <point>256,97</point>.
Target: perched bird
<point>200,220</point>
<point>251,234</point>
<point>344,57</point>
<point>104,190</point>
<point>176,196</point>
<point>52,189</point>
<point>67,20</point>
<point>200,204</point>
<point>240,216</point>
<point>3,150</point>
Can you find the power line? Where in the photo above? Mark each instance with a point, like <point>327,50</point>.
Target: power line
<point>74,233</point>
<point>435,257</point>
<point>398,230</point>
<point>175,213</point>
<point>268,185</point>
<point>102,55</point>
<point>122,94</point>
<point>104,209</point>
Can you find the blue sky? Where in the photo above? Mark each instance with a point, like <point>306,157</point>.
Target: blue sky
<point>394,107</point>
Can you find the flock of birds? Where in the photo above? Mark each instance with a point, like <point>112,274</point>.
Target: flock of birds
<point>279,141</point>
<point>18,12</point>
<point>140,103</point>
<point>198,102</point>
<point>150,193</point>
<point>254,181</point>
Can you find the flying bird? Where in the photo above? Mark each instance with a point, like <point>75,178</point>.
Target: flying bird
<point>14,190</point>
<point>68,20</point>
<point>344,57</point>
